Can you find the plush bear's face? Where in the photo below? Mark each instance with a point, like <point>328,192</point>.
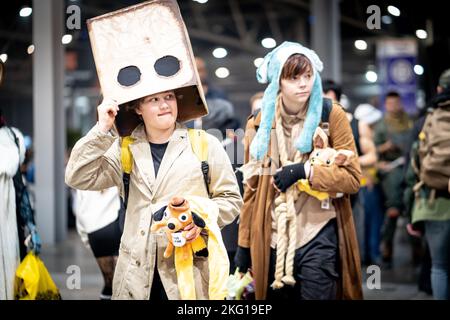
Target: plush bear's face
<point>177,221</point>
<point>323,155</point>
<point>176,216</point>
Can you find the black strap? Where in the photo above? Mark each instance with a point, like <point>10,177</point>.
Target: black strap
<point>354,124</point>
<point>326,109</point>
<point>126,188</point>
<point>206,179</point>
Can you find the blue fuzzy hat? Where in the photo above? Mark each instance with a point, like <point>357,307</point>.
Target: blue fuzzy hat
<point>269,72</point>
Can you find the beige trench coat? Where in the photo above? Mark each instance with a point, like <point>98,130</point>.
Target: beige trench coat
<point>95,164</point>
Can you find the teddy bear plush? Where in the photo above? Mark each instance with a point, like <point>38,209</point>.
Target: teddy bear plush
<point>174,218</point>
<point>324,155</point>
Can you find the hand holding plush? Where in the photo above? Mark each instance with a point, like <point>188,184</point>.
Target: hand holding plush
<point>288,175</point>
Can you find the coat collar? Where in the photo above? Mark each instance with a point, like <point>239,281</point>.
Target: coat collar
<point>142,155</point>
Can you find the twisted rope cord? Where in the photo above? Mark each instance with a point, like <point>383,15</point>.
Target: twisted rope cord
<point>285,215</point>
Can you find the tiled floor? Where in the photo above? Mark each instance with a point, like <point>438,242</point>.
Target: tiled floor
<point>67,259</point>
<point>396,283</point>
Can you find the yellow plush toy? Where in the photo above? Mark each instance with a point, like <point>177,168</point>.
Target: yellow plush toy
<point>203,212</point>
<point>323,155</point>
<point>177,216</point>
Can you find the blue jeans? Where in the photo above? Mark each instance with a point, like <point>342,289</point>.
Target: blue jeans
<point>437,234</point>
<point>373,221</point>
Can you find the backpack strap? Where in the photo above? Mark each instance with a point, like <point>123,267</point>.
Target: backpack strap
<point>126,159</point>
<point>199,144</point>
<point>325,119</point>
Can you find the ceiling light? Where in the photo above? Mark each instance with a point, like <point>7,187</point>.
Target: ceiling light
<point>361,45</point>
<point>268,43</point>
<point>394,11</point>
<point>25,12</point>
<point>220,53</point>
<point>66,39</point>
<point>222,72</point>
<point>421,34</point>
<point>418,69</point>
<point>371,76</point>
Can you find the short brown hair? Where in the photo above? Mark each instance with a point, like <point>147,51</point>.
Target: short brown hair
<point>295,65</point>
<point>133,105</point>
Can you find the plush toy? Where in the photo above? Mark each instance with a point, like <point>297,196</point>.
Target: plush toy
<point>323,155</point>
<point>174,218</point>
<point>203,212</point>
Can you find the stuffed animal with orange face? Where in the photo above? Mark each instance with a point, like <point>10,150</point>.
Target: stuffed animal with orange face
<point>174,218</point>
<point>323,155</point>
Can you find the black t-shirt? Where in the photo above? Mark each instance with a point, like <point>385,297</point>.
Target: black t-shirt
<point>158,150</point>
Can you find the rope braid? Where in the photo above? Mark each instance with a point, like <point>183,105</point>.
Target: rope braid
<point>285,215</point>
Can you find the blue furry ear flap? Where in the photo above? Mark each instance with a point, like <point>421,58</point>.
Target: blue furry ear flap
<point>313,116</point>
<point>260,144</point>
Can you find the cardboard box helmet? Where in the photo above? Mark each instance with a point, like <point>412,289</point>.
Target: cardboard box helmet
<point>142,50</point>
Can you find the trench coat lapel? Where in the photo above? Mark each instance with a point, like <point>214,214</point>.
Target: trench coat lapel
<point>142,157</point>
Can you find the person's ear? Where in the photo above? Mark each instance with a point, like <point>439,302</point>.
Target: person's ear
<point>138,111</point>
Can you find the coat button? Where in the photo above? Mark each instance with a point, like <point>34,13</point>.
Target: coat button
<point>154,201</point>
<point>138,263</point>
<point>130,294</point>
<point>142,233</point>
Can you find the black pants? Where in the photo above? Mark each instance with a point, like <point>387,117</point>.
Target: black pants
<point>157,292</point>
<point>315,269</point>
<point>106,241</point>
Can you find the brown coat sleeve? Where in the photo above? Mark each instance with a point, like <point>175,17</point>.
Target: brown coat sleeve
<point>336,179</point>
<point>245,218</point>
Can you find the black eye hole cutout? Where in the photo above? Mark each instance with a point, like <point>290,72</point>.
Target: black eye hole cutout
<point>129,76</point>
<point>167,66</point>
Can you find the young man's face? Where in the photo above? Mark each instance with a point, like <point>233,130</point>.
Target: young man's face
<point>393,104</point>
<point>330,94</point>
<point>159,110</point>
<point>297,89</point>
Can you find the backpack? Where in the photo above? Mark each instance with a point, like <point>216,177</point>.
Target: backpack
<point>434,149</point>
<point>199,144</point>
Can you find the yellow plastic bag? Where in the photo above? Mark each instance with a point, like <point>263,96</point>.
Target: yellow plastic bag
<point>33,282</point>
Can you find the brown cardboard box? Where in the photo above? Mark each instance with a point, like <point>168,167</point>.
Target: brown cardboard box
<point>145,49</point>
